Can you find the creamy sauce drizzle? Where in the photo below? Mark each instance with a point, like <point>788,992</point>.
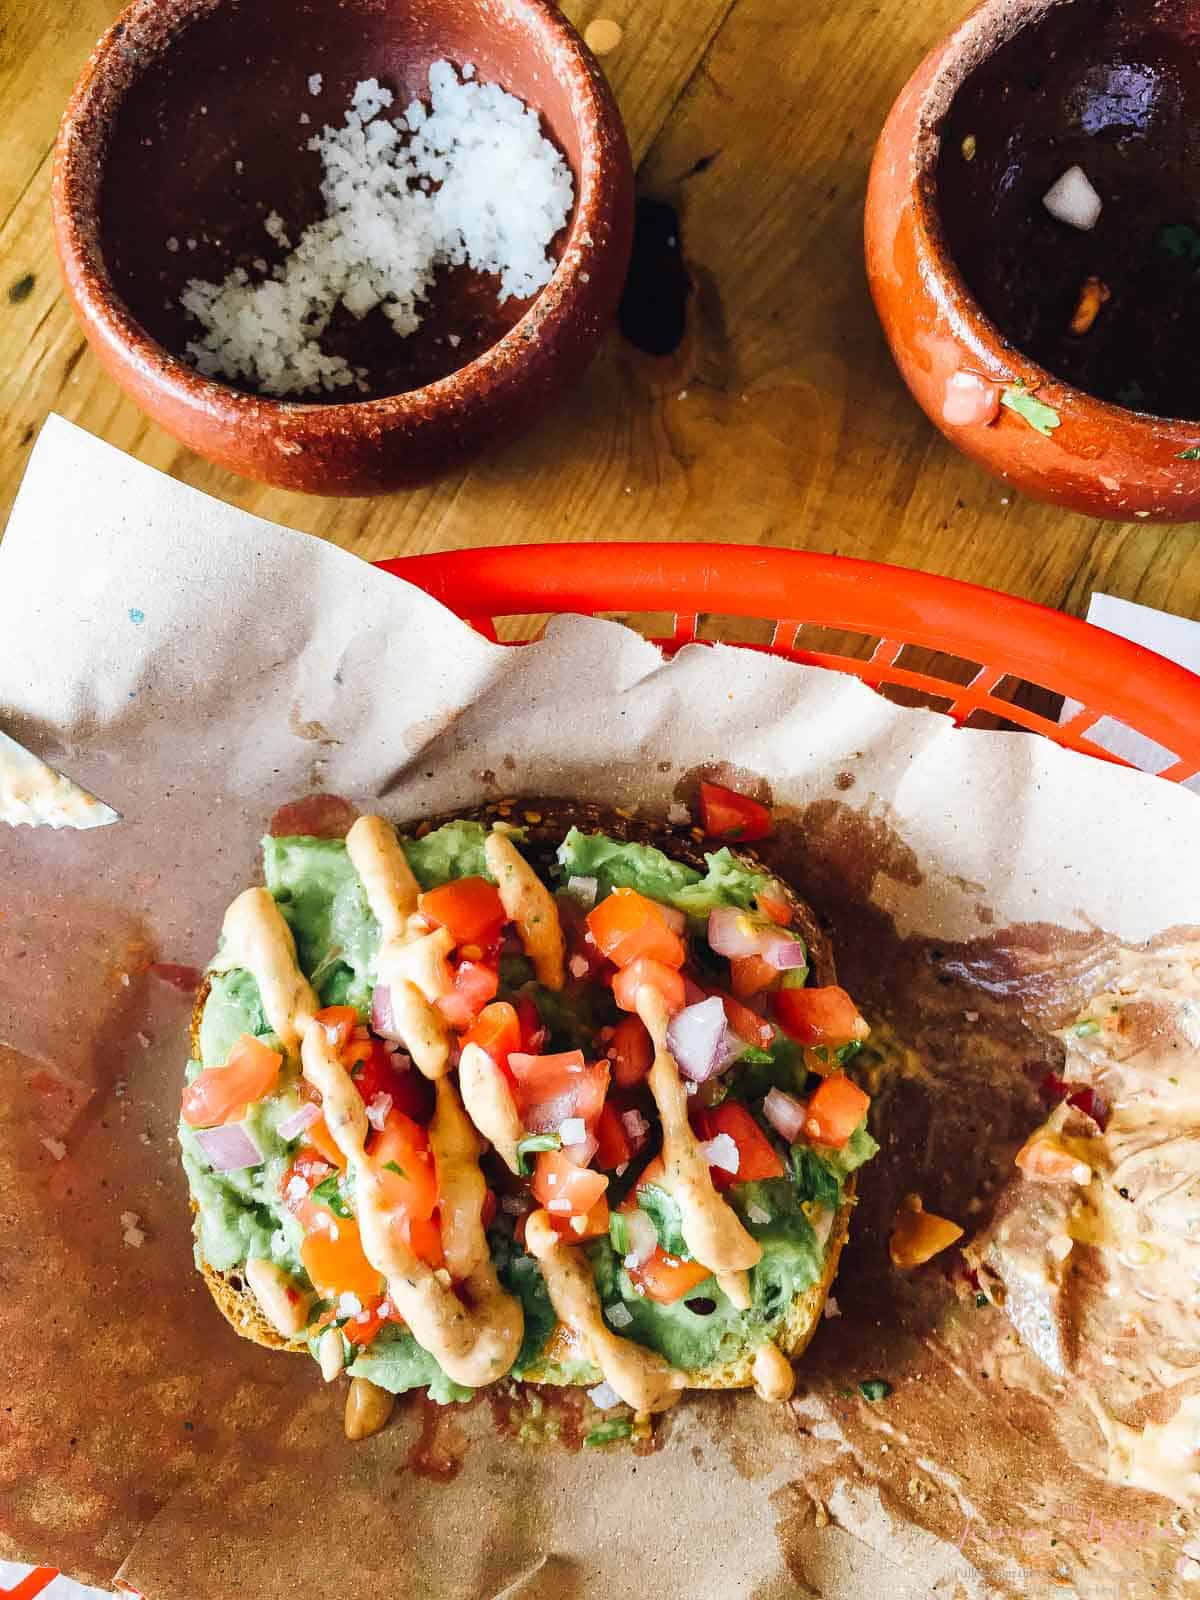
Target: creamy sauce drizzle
<point>490,1104</point>
<point>773,1376</point>
<point>641,1377</point>
<point>408,956</point>
<point>711,1228</point>
<point>529,904</point>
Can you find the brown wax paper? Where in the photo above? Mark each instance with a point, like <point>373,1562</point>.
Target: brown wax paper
<point>197,668</point>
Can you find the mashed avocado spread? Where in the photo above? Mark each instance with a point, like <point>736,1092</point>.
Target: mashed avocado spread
<point>241,1213</point>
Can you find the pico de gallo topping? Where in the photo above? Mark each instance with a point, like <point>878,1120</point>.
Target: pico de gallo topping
<point>588,1085</point>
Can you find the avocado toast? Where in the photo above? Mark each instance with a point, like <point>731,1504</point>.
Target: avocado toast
<point>542,1092</point>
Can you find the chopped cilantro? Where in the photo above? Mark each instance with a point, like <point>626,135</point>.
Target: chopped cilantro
<point>329,1194</point>
<point>814,1178</point>
<point>618,1233</point>
<point>980,1300</point>
<point>1085,1027</point>
<point>394,1166</point>
<point>609,1432</point>
<point>1192,453</point>
<point>1017,397</point>
<point>875,1388</point>
<point>663,1210</point>
<point>530,1144</point>
<point>1178,239</point>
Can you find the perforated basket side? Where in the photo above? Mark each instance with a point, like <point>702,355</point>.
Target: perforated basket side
<point>1009,639</point>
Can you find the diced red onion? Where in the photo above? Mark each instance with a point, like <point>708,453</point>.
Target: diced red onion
<point>377,1111</point>
<point>292,1127</point>
<point>582,1152</point>
<point>584,890</point>
<point>733,932</point>
<point>785,1114</point>
<point>722,1152</point>
<point>1072,199</point>
<point>635,1125</point>
<point>572,1130</point>
<point>699,1039</point>
<point>230,1148</point>
<point>604,1397</point>
<point>643,1239</point>
<point>383,1020</point>
<point>781,951</point>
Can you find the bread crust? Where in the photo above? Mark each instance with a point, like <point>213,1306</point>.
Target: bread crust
<point>545,823</point>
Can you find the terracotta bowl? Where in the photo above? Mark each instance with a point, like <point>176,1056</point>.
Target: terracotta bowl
<point>190,124</point>
<point>977,285</point>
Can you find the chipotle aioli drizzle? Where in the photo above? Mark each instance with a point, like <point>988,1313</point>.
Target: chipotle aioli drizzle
<point>641,1377</point>
<point>711,1229</point>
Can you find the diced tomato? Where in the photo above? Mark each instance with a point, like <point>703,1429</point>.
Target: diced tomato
<point>563,1188</point>
<point>1044,1157</point>
<point>772,902</point>
<point>362,1331</point>
<point>470,907</point>
<point>631,1052</point>
<point>835,1108</point>
<point>401,1156</point>
<point>665,1279</point>
<point>628,927</point>
<point>533,1029</point>
<point>339,1023</point>
<point>497,1031</point>
<point>410,1092</point>
<point>475,983</point>
<point>553,1088</point>
<point>725,814</point>
<point>757,1156</point>
<point>334,1259</point>
<point>581,947</point>
<point>825,1016</point>
<point>319,1135</point>
<point>747,1024</point>
<point>221,1094</point>
<point>593,1225</point>
<point>750,975</point>
<point>648,974</point>
<point>311,1168</point>
<point>613,1146</point>
<point>423,1235</point>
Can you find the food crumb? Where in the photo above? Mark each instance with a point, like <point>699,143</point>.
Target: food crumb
<point>134,1236</point>
<point>239,167</point>
<point>172,244</point>
<point>832,1309</point>
<point>56,1148</point>
<point>143,1039</point>
<point>968,147</point>
<point>603,36</point>
<point>315,82</point>
<point>144,1137</point>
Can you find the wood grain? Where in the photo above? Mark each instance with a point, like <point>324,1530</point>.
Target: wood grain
<point>780,421</point>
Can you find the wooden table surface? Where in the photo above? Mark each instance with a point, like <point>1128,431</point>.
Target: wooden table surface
<point>782,420</point>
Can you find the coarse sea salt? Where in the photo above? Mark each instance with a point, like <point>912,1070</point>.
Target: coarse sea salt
<point>465,180</point>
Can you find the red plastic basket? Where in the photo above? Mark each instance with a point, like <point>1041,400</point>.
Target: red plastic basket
<point>1009,642</point>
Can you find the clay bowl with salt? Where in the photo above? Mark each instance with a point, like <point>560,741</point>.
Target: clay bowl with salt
<point>191,150</point>
<point>1033,247</point>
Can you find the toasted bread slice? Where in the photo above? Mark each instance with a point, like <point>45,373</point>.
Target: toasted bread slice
<point>545,823</point>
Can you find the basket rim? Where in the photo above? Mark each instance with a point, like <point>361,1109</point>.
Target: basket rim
<point>1009,636</point>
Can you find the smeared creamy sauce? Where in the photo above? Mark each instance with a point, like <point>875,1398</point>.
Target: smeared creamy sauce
<point>773,1376</point>
<point>406,963</point>
<point>641,1377</point>
<point>1102,1277</point>
<point>490,1104</point>
<point>530,906</point>
<point>711,1228</point>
